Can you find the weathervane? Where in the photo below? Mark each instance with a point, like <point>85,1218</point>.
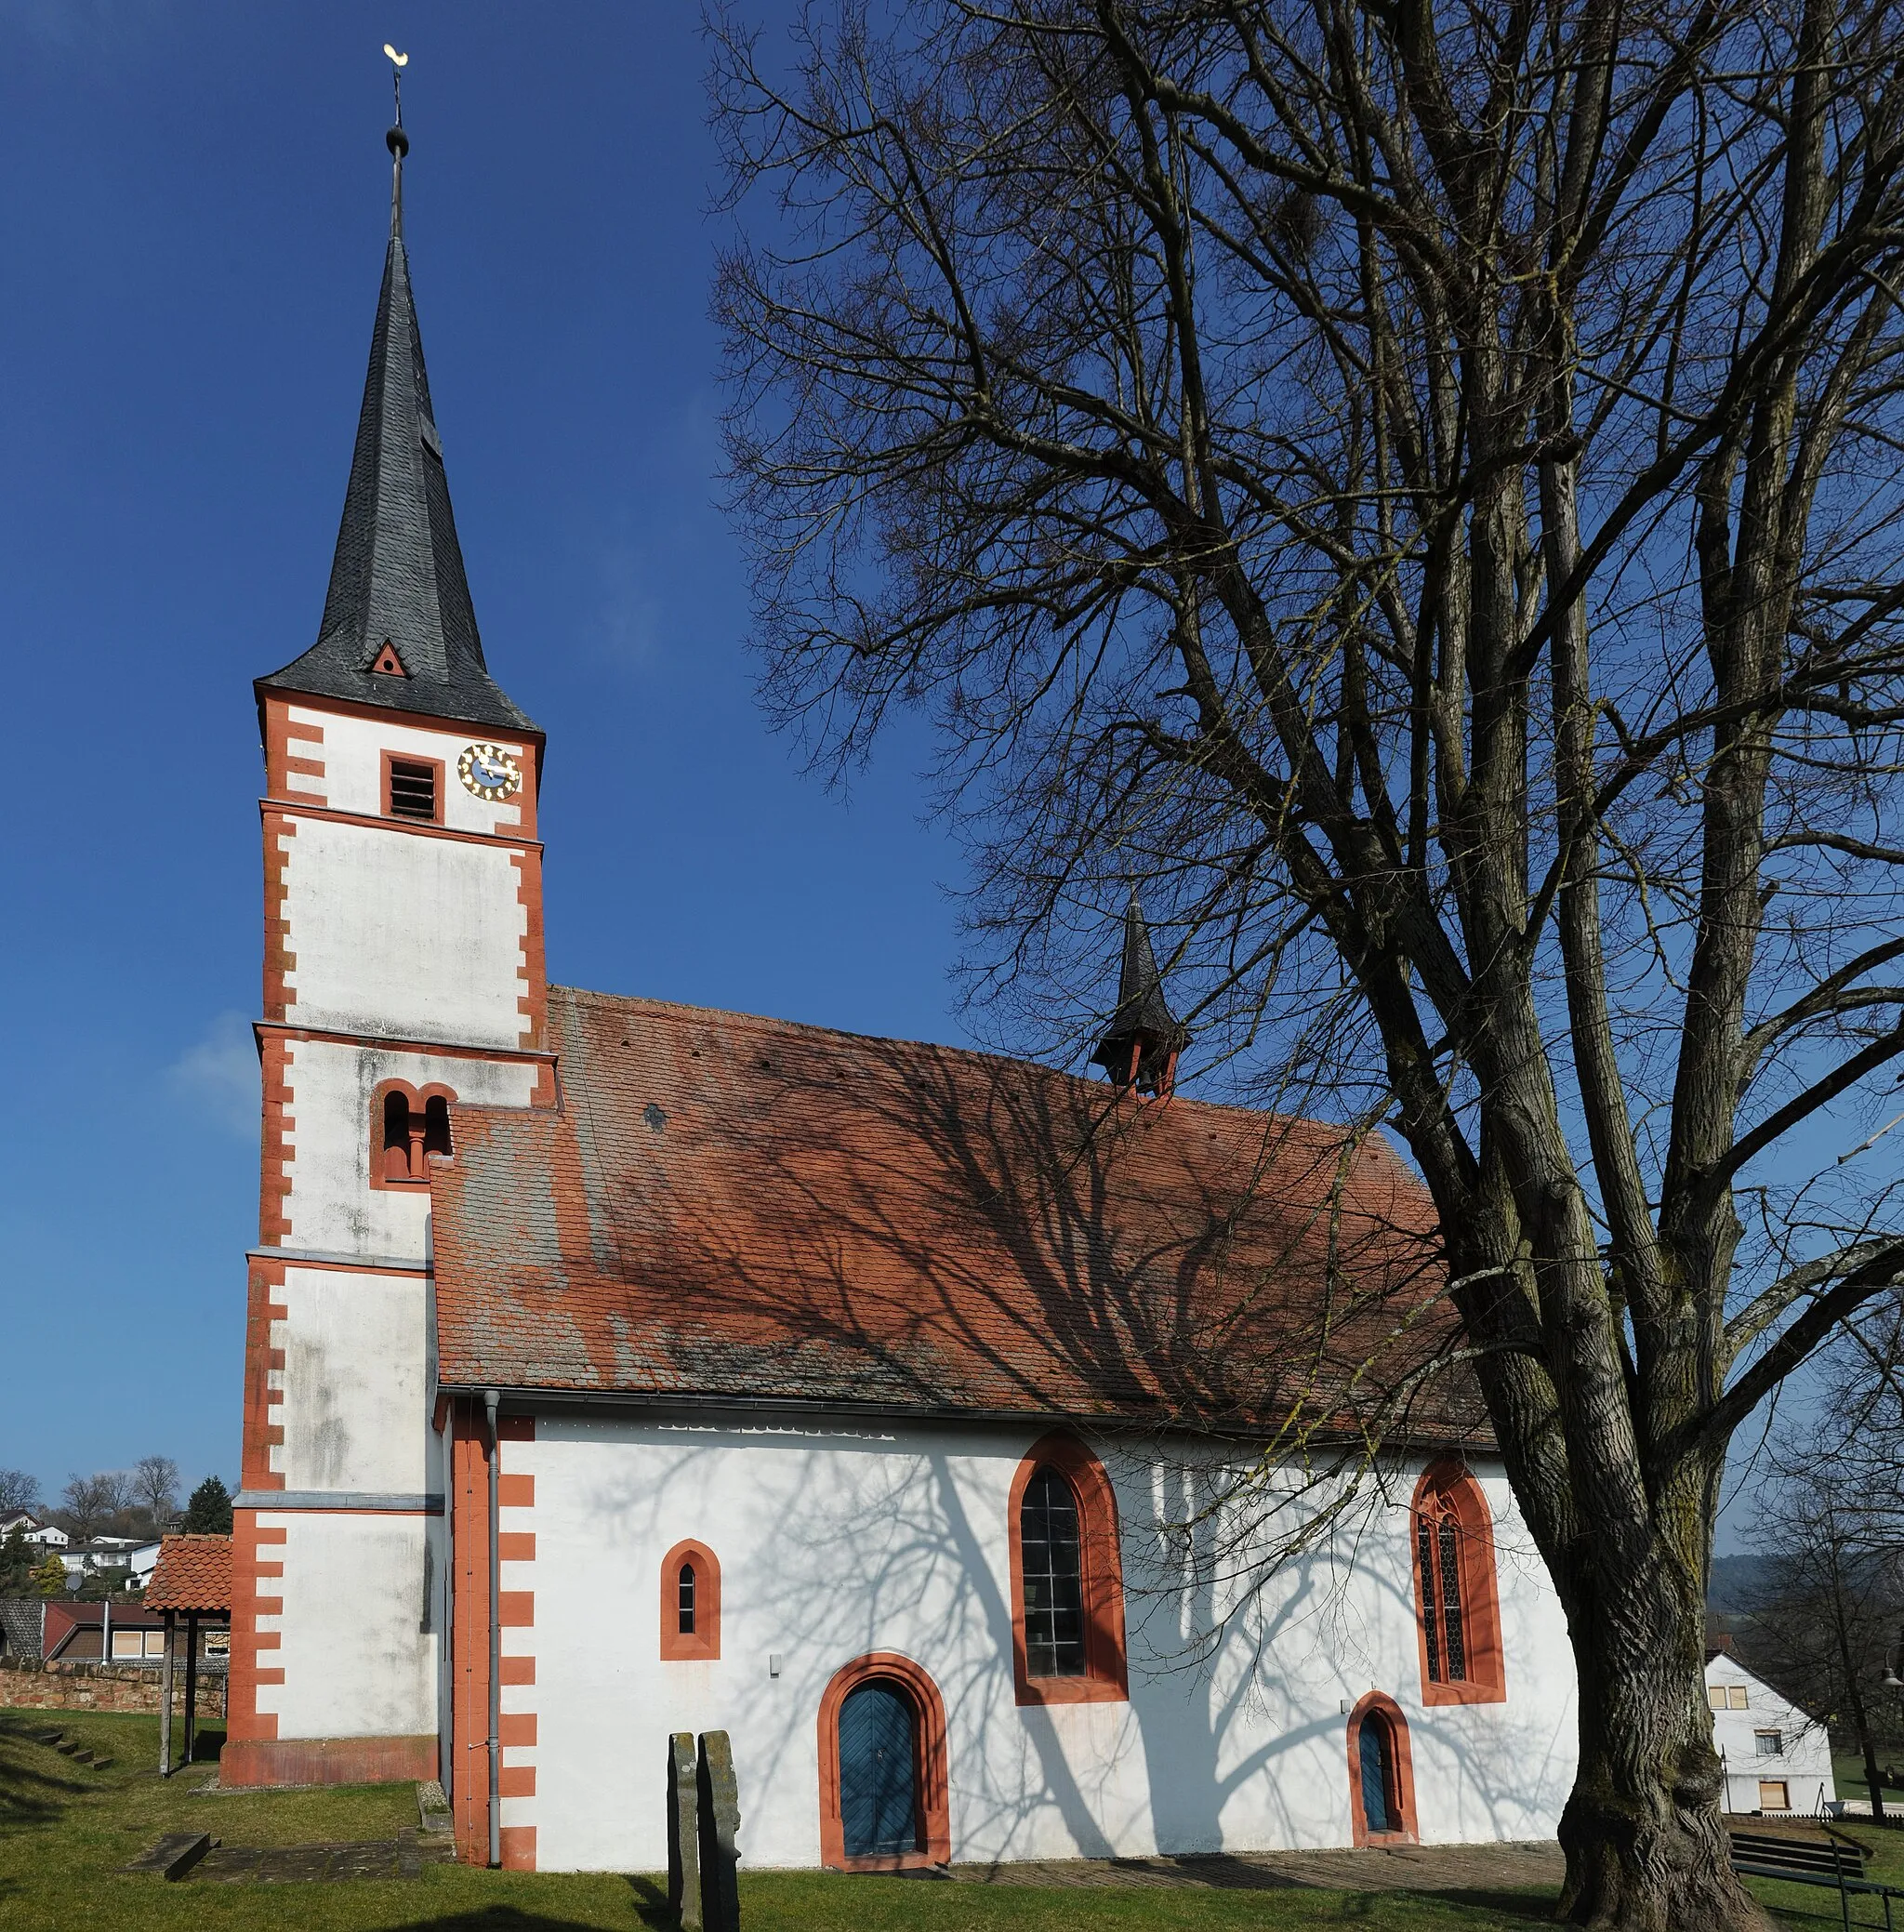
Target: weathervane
<point>397,63</point>
<point>396,141</point>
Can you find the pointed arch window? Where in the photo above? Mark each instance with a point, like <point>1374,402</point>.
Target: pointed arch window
<point>1457,1595</point>
<point>689,1604</point>
<point>408,1127</point>
<point>1067,1583</point>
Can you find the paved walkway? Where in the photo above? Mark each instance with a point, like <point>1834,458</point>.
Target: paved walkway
<point>1437,1868</point>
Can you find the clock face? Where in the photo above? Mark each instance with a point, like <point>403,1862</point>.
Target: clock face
<point>489,770</point>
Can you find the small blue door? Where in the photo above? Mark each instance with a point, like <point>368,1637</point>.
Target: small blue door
<point>879,1815</point>
<point>1377,1775</point>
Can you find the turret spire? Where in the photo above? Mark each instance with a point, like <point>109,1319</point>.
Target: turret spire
<point>399,630</point>
<point>1140,1047</point>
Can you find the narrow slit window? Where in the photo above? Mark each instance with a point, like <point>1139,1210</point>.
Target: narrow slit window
<point>687,1600</point>
<point>413,790</point>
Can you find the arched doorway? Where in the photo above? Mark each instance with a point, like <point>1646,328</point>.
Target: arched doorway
<point>1381,1784</point>
<point>882,1767</point>
<point>878,1785</point>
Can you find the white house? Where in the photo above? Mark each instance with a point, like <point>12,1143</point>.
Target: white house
<point>862,1378</point>
<point>48,1535</point>
<point>1777,1758</point>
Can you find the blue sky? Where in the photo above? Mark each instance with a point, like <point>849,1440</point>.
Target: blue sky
<point>193,223</point>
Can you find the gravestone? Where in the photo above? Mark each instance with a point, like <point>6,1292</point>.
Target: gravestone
<point>719,1798</point>
<point>683,1833</point>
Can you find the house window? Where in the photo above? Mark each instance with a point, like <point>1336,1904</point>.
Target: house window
<point>1735,1697</point>
<point>690,1605</point>
<point>128,1643</point>
<point>1774,1795</point>
<point>1769,1743</point>
<point>1457,1602</point>
<point>1067,1583</point>
<point>407,1127</point>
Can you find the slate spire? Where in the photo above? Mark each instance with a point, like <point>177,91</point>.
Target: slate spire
<point>399,630</point>
<point>1140,1046</point>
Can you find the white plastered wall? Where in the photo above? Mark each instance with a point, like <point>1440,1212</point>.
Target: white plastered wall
<point>834,1544</point>
<point>402,934</point>
<point>356,1384</point>
<point>332,1206</point>
<point>357,1659</point>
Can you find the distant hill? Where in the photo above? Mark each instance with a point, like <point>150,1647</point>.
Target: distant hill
<point>1737,1584</point>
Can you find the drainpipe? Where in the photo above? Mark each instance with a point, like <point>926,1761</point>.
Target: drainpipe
<point>491,1400</point>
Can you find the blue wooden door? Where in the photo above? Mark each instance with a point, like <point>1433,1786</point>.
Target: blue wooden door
<point>878,1814</point>
<point>1377,1779</point>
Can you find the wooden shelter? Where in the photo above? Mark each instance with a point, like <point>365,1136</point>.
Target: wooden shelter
<point>192,1578</point>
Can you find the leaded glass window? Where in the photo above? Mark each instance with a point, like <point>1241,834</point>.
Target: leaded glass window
<point>1439,1554</point>
<point>687,1599</point>
<point>1054,1578</point>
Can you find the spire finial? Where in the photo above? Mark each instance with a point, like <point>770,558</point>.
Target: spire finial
<point>397,141</point>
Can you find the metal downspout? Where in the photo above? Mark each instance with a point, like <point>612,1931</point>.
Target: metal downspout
<point>492,1399</point>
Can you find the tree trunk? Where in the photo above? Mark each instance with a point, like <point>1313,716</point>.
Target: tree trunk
<point>1647,1850</point>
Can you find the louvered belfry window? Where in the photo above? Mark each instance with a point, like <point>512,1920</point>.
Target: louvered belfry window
<point>413,790</point>
<point>1053,1579</point>
<point>1438,1553</point>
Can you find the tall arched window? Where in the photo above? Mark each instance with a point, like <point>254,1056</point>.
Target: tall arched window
<point>1054,1577</point>
<point>1381,1780</point>
<point>689,1604</point>
<point>1067,1583</point>
<point>1457,1598</point>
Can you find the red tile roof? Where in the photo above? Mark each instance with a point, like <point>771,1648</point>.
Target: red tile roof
<point>729,1207</point>
<point>193,1573</point>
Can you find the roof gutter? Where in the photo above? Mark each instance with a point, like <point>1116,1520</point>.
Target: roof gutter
<point>540,1396</point>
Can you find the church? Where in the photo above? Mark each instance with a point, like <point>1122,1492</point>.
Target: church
<point>923,1418</point>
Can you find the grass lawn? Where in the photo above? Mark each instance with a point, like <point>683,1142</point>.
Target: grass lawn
<point>63,1830</point>
<point>1847,1770</point>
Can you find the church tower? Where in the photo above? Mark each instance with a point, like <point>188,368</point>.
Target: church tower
<point>402,973</point>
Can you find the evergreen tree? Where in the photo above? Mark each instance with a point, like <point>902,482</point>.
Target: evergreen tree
<point>49,1579</point>
<point>16,1564</point>
<point>209,1511</point>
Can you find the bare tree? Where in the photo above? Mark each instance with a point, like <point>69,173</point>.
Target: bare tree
<point>1417,494</point>
<point>89,1503</point>
<point>1827,1619</point>
<point>156,1484</point>
<point>19,1491</point>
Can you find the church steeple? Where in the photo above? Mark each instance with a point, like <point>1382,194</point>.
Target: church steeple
<point>399,629</point>
<point>1140,1047</point>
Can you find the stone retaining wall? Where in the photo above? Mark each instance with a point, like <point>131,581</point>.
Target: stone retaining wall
<point>60,1686</point>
